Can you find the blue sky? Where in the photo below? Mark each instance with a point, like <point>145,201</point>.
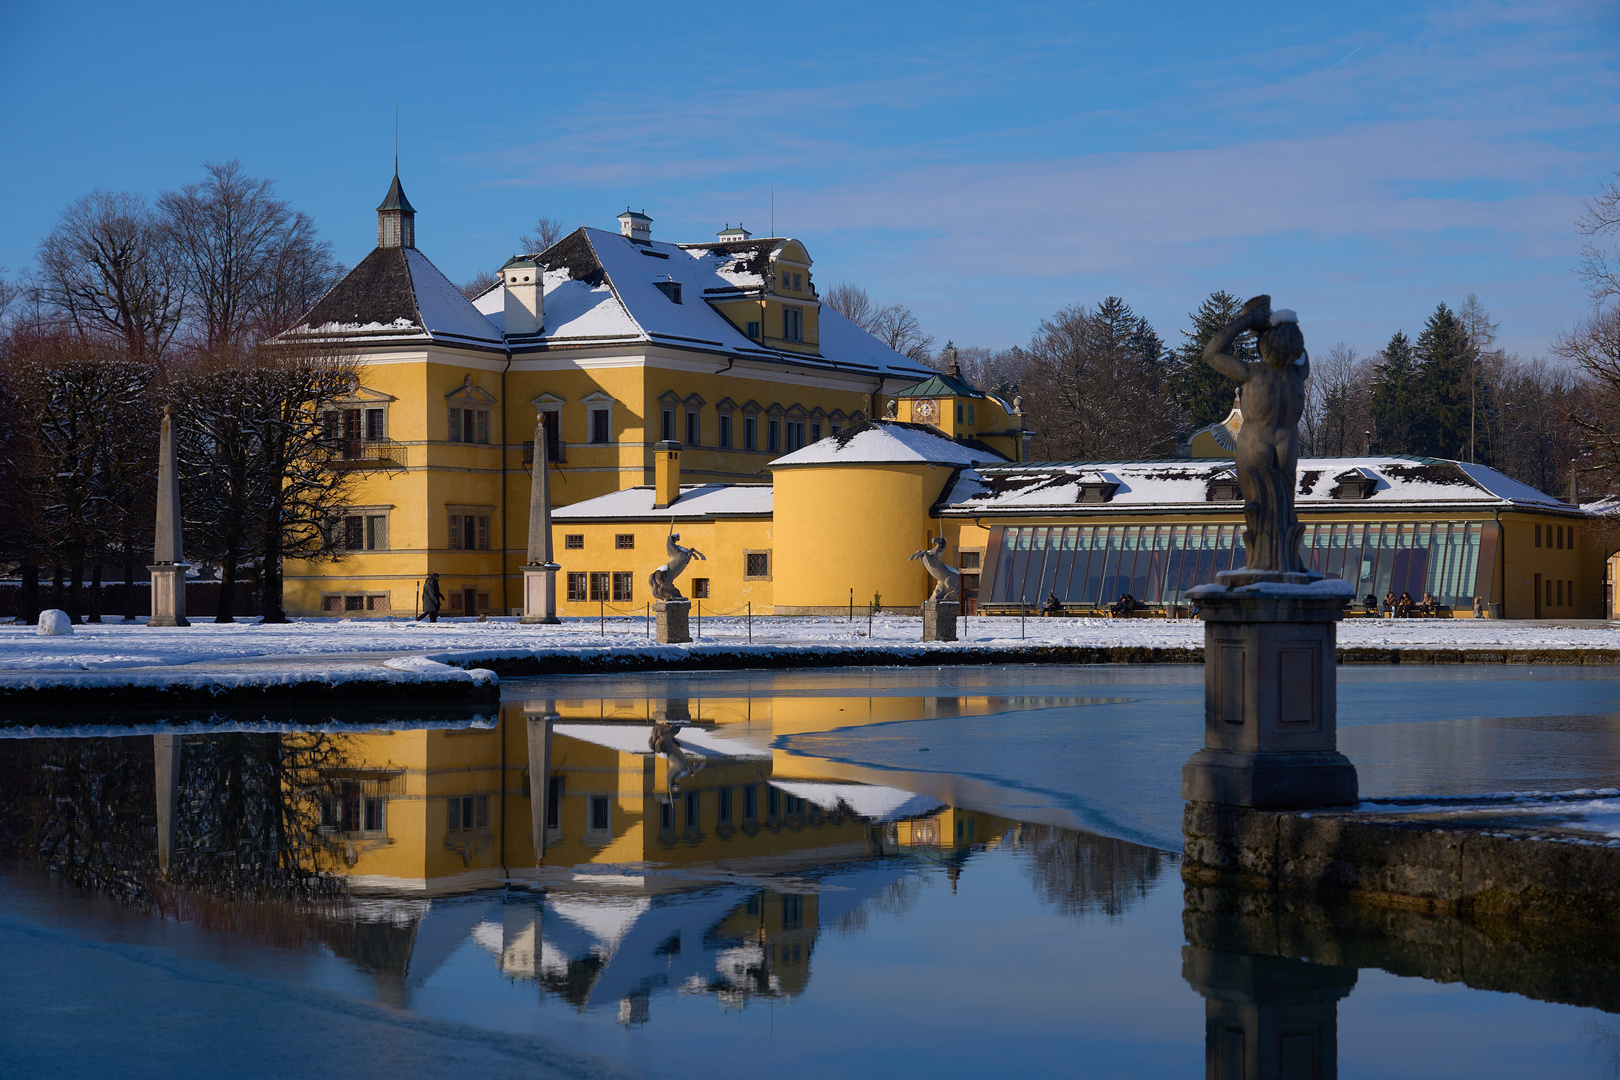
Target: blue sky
<point>984,164</point>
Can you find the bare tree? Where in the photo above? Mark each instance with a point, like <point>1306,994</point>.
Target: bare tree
<point>479,284</point>
<point>546,232</point>
<point>1338,403</point>
<point>898,328</point>
<point>1600,260</point>
<point>1104,390</point>
<point>251,262</point>
<point>853,303</point>
<point>109,268</point>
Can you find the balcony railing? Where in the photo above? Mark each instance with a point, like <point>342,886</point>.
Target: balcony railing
<point>365,453</point>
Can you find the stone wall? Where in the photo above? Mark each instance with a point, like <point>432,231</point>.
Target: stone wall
<point>1541,875</point>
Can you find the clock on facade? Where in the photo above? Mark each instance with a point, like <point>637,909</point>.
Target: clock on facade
<point>924,410</point>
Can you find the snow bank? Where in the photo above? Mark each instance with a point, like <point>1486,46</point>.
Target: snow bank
<point>54,623</point>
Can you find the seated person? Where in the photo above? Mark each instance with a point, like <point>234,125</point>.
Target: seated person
<point>1125,605</point>
<point>1428,605</point>
<point>1389,602</point>
<point>1052,606</point>
<point>1403,606</point>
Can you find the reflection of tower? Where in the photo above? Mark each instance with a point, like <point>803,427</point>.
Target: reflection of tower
<point>166,770</point>
<point>1267,1017</point>
<point>540,776</point>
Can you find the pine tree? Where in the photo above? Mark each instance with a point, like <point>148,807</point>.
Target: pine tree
<point>1204,395</point>
<point>1395,405</point>
<point>1446,371</point>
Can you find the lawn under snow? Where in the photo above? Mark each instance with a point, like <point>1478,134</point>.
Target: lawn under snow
<point>310,644</point>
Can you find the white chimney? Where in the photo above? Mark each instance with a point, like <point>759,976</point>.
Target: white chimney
<point>635,226</point>
<point>525,297</point>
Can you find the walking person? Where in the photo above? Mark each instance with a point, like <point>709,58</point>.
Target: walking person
<point>432,599</point>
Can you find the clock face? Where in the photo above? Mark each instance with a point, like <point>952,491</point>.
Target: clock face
<point>924,410</point>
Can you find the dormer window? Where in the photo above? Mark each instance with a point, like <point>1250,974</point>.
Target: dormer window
<point>671,289</point>
<point>1354,484</point>
<point>1223,487</point>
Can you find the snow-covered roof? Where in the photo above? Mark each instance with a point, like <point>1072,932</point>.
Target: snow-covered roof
<point>396,294</point>
<point>696,501</point>
<point>632,739</point>
<point>604,288</point>
<point>1407,482</point>
<point>868,800</point>
<point>888,442</point>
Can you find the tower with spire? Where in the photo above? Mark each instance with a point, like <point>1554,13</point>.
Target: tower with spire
<point>396,217</point>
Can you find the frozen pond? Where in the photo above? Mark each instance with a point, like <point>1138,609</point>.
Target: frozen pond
<point>963,872</point>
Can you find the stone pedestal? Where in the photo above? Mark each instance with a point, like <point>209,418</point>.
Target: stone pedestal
<point>1267,1017</point>
<point>1270,694</point>
<point>670,617</point>
<point>939,619</point>
<point>169,594</point>
<point>540,594</point>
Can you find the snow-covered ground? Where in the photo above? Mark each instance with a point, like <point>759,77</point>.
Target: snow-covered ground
<point>1584,810</point>
<point>110,647</point>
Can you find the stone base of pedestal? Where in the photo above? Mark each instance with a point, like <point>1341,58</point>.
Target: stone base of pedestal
<point>540,594</point>
<point>1292,781</point>
<point>939,619</point>
<point>1270,693</point>
<point>670,618</point>
<point>169,594</point>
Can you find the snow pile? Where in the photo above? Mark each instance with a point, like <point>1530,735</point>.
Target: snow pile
<point>54,623</point>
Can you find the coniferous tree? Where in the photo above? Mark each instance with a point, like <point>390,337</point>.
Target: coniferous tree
<point>1202,393</point>
<point>1446,373</point>
<point>1396,413</point>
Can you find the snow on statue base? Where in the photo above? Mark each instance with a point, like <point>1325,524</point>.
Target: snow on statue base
<point>169,594</point>
<point>939,619</point>
<point>1270,697</point>
<point>670,617</point>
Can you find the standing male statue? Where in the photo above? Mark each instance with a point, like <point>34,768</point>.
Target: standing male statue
<point>949,579</point>
<point>1268,441</point>
<point>662,579</point>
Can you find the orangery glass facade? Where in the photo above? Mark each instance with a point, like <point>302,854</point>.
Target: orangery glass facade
<point>1092,565</point>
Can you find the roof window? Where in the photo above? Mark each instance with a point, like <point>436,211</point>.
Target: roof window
<point>671,289</point>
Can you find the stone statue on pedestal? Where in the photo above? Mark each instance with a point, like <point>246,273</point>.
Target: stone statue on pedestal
<point>1268,443</point>
<point>949,579</point>
<point>662,579</point>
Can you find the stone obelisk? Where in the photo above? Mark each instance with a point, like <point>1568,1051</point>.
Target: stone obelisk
<point>540,573</point>
<point>169,564</point>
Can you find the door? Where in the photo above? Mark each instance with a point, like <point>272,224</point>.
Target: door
<point>469,601</point>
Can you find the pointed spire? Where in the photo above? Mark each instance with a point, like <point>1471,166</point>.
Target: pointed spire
<point>396,217</point>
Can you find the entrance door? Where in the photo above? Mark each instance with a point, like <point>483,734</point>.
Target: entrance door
<point>469,601</point>
<point>1538,596</point>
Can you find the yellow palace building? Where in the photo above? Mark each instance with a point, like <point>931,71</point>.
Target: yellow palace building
<point>703,389</point>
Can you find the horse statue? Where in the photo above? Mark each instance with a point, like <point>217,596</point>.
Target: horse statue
<point>948,577</point>
<point>662,579</point>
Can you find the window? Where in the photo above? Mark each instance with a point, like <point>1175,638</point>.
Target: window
<point>691,428</point>
<point>469,425</point>
<point>1538,536</point>
<point>554,794</point>
<point>969,559</point>
<point>469,532</point>
<point>792,804</point>
<point>336,602</point>
<point>958,412</point>
<point>773,438</point>
<point>724,813</point>
<point>692,804</point>
<point>757,565</point>
<point>599,585</point>
<point>671,289</point>
<point>554,443</point>
<point>970,414</point>
<point>348,807</point>
<point>576,588</point>
<point>574,541</point>
<point>798,283</point>
<point>600,426</point>
<point>773,802</point>
<point>725,431</point>
<point>751,802</point>
<point>750,433</point>
<point>376,425</point>
<point>623,586</point>
<point>667,426</point>
<point>467,813</point>
<point>365,532</point>
<point>624,541</point>
<point>700,588</point>
<point>1560,538</point>
<point>792,324</point>
<point>795,434</point>
<point>835,427</point>
<point>666,815</point>
<point>792,912</point>
<point>753,329</point>
<point>815,432</point>
<point>354,532</point>
<point>599,813</point>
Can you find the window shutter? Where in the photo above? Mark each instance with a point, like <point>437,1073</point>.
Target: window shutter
<point>481,420</point>
<point>455,425</point>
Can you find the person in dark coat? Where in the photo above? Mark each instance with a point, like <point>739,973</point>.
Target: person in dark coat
<point>432,599</point>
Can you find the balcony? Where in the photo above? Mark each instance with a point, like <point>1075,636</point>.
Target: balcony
<point>364,454</point>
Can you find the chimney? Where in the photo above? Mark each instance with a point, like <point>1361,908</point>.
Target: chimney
<point>635,226</point>
<point>666,474</point>
<point>525,297</point>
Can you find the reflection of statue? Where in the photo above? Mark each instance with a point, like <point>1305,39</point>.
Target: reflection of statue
<point>1268,443</point>
<point>662,741</point>
<point>949,578</point>
<point>663,578</point>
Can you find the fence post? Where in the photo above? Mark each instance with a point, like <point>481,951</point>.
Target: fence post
<point>1023,610</point>
<point>601,616</point>
<point>700,618</point>
<point>649,620</point>
<point>750,622</point>
<point>852,603</point>
<point>868,622</point>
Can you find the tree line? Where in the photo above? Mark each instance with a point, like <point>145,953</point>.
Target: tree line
<point>1100,383</point>
<point>134,305</point>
